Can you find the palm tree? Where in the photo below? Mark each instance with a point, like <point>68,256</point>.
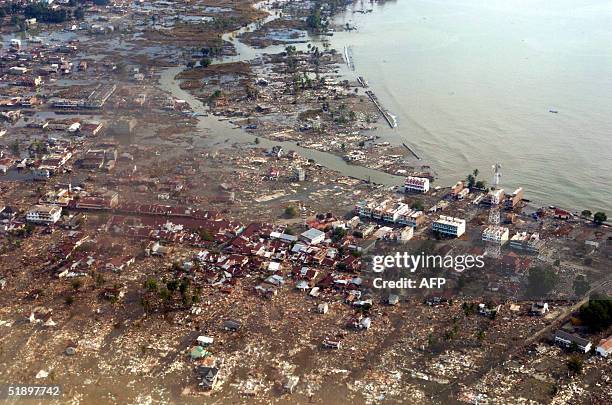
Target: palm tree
<point>471,180</point>
<point>599,218</point>
<point>475,173</point>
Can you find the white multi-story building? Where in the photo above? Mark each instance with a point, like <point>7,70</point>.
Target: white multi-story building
<point>418,184</point>
<point>411,218</point>
<point>463,193</point>
<point>449,226</point>
<point>392,213</point>
<point>364,208</point>
<point>379,210</point>
<point>44,214</point>
<point>494,197</point>
<point>496,234</point>
<point>528,242</point>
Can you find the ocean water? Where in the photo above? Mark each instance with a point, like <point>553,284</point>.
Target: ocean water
<point>473,82</point>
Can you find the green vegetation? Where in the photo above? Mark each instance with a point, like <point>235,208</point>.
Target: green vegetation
<point>417,205</point>
<point>215,95</point>
<point>599,218</point>
<point>172,285</point>
<point>581,285</point>
<point>151,284</point>
<point>214,50</point>
<point>76,284</point>
<point>205,62</point>
<point>291,212</point>
<point>44,13</point>
<point>575,364</point>
<point>586,213</point>
<point>469,308</point>
<point>206,235</point>
<point>224,23</point>
<point>314,20</point>
<point>79,13</point>
<point>472,180</point>
<point>291,59</point>
<point>338,234</point>
<point>597,313</point>
<point>99,279</point>
<point>343,115</point>
<point>15,147</point>
<point>541,281</point>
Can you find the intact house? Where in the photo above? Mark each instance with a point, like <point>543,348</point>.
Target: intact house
<point>567,340</point>
<point>44,214</point>
<point>312,236</point>
<point>449,226</point>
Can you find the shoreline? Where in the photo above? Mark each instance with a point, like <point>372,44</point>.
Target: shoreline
<point>248,53</point>
<point>456,149</point>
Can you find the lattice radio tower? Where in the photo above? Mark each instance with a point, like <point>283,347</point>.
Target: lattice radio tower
<point>494,249</point>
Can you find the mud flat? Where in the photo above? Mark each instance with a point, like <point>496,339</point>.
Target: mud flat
<point>224,132</point>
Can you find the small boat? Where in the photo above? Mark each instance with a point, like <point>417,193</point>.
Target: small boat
<point>553,111</point>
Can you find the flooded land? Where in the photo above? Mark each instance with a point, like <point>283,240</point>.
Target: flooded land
<point>193,199</point>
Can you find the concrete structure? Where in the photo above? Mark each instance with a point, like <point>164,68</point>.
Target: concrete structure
<point>41,173</point>
<point>512,200</point>
<point>406,234</point>
<point>390,211</point>
<point>15,44</point>
<point>562,214</point>
<point>604,348</point>
<point>449,226</point>
<point>494,197</point>
<point>463,193</point>
<point>299,173</point>
<point>411,218</point>
<point>524,241</point>
<point>417,184</point>
<point>312,236</point>
<point>379,210</point>
<point>456,189</point>
<point>539,308</point>
<point>496,234</point>
<point>566,340</point>
<point>365,208</point>
<point>44,214</point>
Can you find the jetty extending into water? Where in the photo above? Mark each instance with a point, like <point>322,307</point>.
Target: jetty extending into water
<point>348,57</point>
<point>386,114</point>
<point>411,151</point>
